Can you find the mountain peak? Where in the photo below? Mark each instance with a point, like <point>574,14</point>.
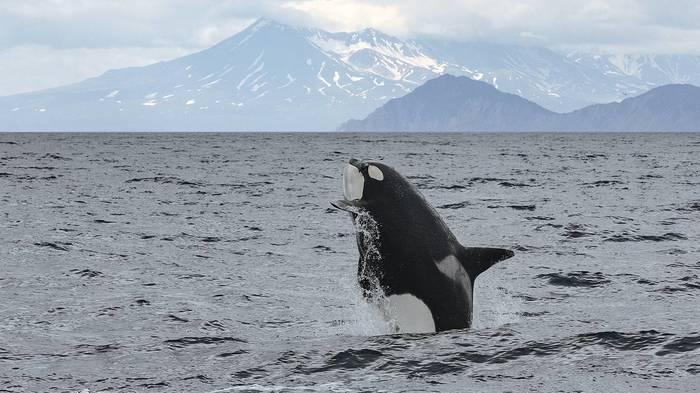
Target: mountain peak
<point>263,23</point>
<point>260,25</point>
<point>452,82</point>
<point>454,103</point>
<point>370,33</point>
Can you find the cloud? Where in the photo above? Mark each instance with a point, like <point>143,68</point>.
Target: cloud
<point>619,25</point>
<point>74,39</point>
<point>111,23</point>
<point>350,15</point>
<point>649,26</point>
<point>183,23</point>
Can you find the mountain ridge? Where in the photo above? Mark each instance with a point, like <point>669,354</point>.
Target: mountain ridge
<point>275,77</point>
<point>450,103</point>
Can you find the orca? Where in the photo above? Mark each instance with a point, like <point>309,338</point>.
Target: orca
<point>411,264</point>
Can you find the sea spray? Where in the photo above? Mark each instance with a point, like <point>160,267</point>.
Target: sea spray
<point>369,319</point>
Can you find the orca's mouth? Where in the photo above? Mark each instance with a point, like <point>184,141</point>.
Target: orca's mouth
<point>348,206</point>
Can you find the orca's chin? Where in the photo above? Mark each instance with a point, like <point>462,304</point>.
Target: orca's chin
<point>348,206</point>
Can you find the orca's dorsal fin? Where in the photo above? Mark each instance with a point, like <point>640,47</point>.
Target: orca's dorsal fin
<point>477,259</point>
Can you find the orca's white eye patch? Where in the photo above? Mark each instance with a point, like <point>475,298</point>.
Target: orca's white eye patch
<point>353,183</point>
<point>375,173</point>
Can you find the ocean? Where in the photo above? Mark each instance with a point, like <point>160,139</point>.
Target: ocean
<point>215,263</point>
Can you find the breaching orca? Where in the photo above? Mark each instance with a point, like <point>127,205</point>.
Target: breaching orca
<point>408,256</point>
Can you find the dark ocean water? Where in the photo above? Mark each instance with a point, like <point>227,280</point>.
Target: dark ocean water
<point>214,262</point>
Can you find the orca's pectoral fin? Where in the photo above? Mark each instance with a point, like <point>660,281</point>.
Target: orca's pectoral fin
<point>476,260</point>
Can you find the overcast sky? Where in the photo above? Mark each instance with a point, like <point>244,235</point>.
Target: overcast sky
<point>46,43</point>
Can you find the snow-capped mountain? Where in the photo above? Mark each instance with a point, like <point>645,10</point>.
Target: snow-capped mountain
<point>276,77</point>
<point>650,70</point>
<point>267,77</point>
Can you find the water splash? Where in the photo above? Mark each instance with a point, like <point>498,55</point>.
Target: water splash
<point>369,319</point>
<point>369,241</point>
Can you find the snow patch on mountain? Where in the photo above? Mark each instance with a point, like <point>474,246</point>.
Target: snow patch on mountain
<point>388,50</point>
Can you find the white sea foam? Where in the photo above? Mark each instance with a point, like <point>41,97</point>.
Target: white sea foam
<point>368,317</point>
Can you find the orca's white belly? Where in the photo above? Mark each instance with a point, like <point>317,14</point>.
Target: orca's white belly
<point>409,314</point>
